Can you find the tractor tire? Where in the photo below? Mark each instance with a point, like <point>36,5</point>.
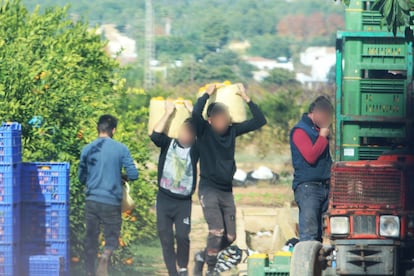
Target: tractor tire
<point>305,259</point>
<point>409,272</point>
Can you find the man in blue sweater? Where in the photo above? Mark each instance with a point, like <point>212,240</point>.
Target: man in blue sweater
<point>100,169</point>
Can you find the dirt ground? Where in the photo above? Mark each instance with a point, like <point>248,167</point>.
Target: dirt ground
<point>258,209</point>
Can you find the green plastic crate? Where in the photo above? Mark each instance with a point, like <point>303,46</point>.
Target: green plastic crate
<point>374,53</point>
<point>359,16</point>
<point>375,97</point>
<point>356,152</point>
<point>259,265</point>
<point>368,140</point>
<point>256,264</point>
<point>281,262</point>
<point>355,133</point>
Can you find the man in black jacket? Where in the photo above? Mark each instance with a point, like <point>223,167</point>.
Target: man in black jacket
<point>177,176</point>
<point>216,139</point>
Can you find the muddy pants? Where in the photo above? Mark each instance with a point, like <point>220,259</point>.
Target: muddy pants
<point>174,212</point>
<point>220,214</point>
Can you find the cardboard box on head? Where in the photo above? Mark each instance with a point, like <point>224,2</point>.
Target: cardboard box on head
<point>157,110</point>
<point>227,94</point>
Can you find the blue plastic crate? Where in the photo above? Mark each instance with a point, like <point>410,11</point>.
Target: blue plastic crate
<point>60,249</point>
<point>52,248</point>
<point>9,223</point>
<point>10,183</point>
<point>9,260</point>
<point>45,222</point>
<point>45,182</point>
<point>41,265</point>
<point>10,143</point>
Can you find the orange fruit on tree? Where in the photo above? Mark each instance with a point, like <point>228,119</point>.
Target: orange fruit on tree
<point>129,261</point>
<point>121,242</point>
<point>75,259</point>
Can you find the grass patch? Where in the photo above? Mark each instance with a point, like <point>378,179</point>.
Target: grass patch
<point>264,195</point>
<point>147,258</point>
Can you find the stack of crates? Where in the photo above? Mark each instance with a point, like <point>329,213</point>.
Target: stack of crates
<point>259,264</point>
<point>374,91</point>
<point>42,265</point>
<point>10,164</point>
<point>45,213</point>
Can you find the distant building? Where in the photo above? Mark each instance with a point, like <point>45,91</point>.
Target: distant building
<point>239,46</point>
<point>319,60</point>
<point>269,64</point>
<point>119,45</point>
<point>265,65</point>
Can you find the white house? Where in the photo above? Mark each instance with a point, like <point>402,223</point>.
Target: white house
<point>269,64</point>
<point>320,60</point>
<point>265,65</point>
<point>119,45</point>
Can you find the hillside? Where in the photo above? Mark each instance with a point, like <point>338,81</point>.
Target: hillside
<point>242,19</point>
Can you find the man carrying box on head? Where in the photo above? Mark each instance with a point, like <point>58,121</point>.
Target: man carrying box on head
<point>177,176</point>
<point>216,138</point>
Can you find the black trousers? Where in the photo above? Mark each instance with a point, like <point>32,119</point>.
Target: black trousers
<point>220,214</point>
<point>174,213</point>
<point>97,214</point>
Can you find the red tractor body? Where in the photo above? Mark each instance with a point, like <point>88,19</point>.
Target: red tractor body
<point>370,220</point>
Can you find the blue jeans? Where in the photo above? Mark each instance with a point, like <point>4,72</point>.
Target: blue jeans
<point>312,200</point>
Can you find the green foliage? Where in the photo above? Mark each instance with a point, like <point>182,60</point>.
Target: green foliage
<point>173,47</point>
<point>55,68</point>
<point>193,20</point>
<point>271,46</point>
<point>214,36</point>
<point>279,76</point>
<point>396,13</point>
<point>282,109</point>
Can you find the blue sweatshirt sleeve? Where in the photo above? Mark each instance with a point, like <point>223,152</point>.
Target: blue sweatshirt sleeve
<point>128,164</point>
<point>83,169</point>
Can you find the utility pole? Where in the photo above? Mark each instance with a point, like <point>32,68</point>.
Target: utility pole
<point>149,79</point>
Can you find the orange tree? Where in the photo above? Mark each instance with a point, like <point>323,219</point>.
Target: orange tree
<point>56,80</point>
